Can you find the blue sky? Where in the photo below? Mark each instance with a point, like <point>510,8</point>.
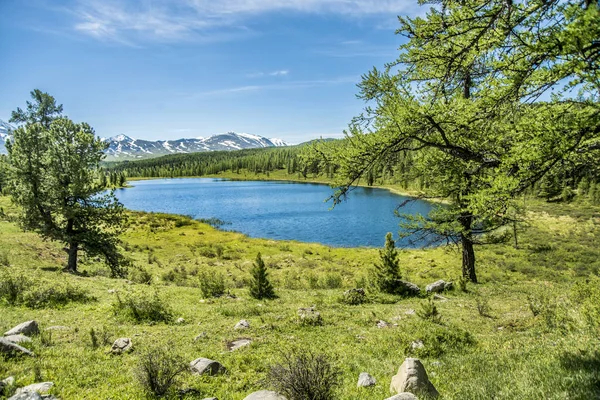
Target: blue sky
<point>166,69</point>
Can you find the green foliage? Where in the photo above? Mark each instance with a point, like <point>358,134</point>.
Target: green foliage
<point>260,286</point>
<point>211,284</point>
<point>429,311</point>
<point>305,375</point>
<point>54,169</point>
<point>140,275</point>
<point>354,297</point>
<point>483,306</point>
<point>387,271</point>
<point>158,370</point>
<point>141,306</point>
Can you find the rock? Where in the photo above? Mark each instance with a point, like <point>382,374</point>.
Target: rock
<point>412,377</point>
<point>26,328</point>
<point>410,312</point>
<point>27,396</point>
<point>403,396</point>
<point>200,336</point>
<point>382,324</point>
<point>440,298</point>
<point>41,388</point>
<point>408,288</point>
<point>18,339</point>
<point>8,381</point>
<point>210,398</point>
<point>121,345</point>
<point>365,380</point>
<point>417,344</point>
<point>180,320</point>
<point>264,395</point>
<point>436,287</point>
<point>111,291</point>
<point>310,316</point>
<point>202,366</point>
<point>8,347</point>
<point>243,324</point>
<point>449,286</point>
<point>238,344</point>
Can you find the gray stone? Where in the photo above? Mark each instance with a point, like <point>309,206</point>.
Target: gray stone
<point>122,345</point>
<point>365,380</point>
<point>403,396</point>
<point>436,287</point>
<point>238,344</point>
<point>449,286</point>
<point>180,320</point>
<point>412,378</point>
<point>417,344</point>
<point>203,335</point>
<point>41,388</point>
<point>408,288</point>
<point>243,324</point>
<point>26,396</point>
<point>382,324</point>
<point>25,328</point>
<point>310,316</point>
<point>8,347</point>
<point>18,339</point>
<point>264,395</point>
<point>8,381</point>
<point>201,366</point>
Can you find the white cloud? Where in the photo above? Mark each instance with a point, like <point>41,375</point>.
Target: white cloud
<point>173,20</point>
<point>283,72</point>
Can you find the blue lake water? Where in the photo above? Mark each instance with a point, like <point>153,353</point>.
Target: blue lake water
<point>277,210</point>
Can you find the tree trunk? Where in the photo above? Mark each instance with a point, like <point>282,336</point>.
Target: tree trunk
<point>466,240</point>
<point>72,263</point>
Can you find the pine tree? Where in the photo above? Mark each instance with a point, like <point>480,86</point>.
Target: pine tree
<point>260,287</point>
<point>387,272</point>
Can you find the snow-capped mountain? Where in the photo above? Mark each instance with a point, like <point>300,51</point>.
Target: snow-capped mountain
<point>123,147</point>
<point>5,133</point>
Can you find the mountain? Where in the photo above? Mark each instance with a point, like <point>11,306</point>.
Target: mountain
<point>5,133</point>
<point>123,147</point>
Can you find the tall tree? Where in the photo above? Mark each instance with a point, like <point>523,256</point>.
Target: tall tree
<point>463,99</point>
<point>387,274</point>
<point>54,178</point>
<point>42,110</point>
<point>260,286</point>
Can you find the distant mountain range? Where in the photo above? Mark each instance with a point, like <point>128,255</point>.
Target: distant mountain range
<point>123,147</point>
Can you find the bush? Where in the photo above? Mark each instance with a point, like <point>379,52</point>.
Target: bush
<point>12,288</point>
<point>354,297</point>
<point>387,272</point>
<point>260,287</point>
<point>483,307</point>
<point>140,275</point>
<point>429,311</point>
<point>158,370</point>
<point>212,284</point>
<point>304,376</point>
<point>141,307</point>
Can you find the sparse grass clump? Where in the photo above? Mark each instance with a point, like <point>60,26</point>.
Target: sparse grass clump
<point>211,284</point>
<point>306,375</point>
<point>143,307</point>
<point>158,370</point>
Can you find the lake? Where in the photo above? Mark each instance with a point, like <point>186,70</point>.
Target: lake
<point>277,210</point>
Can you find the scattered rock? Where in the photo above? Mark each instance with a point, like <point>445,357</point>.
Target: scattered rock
<point>111,291</point>
<point>365,380</point>
<point>18,339</point>
<point>439,297</point>
<point>8,347</point>
<point>26,328</point>
<point>310,316</point>
<point>264,395</point>
<point>203,335</point>
<point>410,312</point>
<point>26,396</point>
<point>8,381</point>
<point>417,344</point>
<point>437,286</point>
<point>202,366</point>
<point>41,388</point>
<point>238,344</point>
<point>412,377</point>
<point>403,396</point>
<point>180,320</point>
<point>243,324</point>
<point>121,345</point>
<point>382,324</point>
<point>408,288</point>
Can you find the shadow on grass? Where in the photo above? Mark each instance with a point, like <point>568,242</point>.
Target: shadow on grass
<point>585,366</point>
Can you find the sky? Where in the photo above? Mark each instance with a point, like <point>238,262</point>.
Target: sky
<point>170,69</point>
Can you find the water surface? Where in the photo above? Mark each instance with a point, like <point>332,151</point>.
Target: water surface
<point>277,210</point>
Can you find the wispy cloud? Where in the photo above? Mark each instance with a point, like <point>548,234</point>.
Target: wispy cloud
<point>128,21</point>
<point>282,72</point>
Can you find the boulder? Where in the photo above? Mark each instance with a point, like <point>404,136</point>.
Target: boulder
<point>26,396</point>
<point>18,339</point>
<point>365,380</point>
<point>264,395</point>
<point>403,396</point>
<point>122,345</point>
<point>243,324</point>
<point>41,388</point>
<point>25,328</point>
<point>437,286</point>
<point>201,366</point>
<point>10,348</point>
<point>408,288</point>
<point>412,377</point>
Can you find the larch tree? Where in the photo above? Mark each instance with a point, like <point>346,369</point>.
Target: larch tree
<point>486,97</point>
<point>54,177</point>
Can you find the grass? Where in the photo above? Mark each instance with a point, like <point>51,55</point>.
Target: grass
<point>505,352</point>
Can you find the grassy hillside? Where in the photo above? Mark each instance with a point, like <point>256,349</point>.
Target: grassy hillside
<point>530,330</point>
